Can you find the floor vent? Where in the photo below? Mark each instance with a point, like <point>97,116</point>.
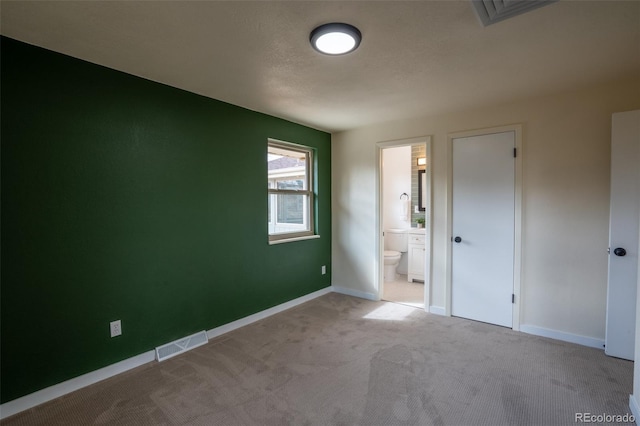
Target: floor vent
<point>492,11</point>
<point>181,345</point>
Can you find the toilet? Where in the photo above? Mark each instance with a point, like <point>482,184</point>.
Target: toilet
<point>395,243</point>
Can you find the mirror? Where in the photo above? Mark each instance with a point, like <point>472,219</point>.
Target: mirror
<point>422,190</point>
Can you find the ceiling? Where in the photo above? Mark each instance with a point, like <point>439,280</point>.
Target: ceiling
<point>417,58</point>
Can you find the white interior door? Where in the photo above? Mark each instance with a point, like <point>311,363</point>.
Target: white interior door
<point>483,227</point>
<point>623,235</point>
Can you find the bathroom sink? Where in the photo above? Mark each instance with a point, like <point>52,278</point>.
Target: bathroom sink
<point>397,230</point>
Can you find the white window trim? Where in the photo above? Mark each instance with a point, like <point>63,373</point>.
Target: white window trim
<point>289,240</point>
<point>308,206</point>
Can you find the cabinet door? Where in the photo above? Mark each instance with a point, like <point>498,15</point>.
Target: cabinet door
<point>416,262</point>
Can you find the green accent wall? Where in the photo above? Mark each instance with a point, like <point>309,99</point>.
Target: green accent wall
<point>128,199</point>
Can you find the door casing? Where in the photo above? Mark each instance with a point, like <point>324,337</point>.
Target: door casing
<point>517,265</point>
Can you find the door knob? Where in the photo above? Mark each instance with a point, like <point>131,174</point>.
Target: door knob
<point>620,251</point>
<point>458,239</point>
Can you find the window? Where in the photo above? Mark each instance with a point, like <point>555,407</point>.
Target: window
<point>290,188</point>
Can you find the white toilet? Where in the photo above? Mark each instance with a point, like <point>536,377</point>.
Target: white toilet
<point>395,243</point>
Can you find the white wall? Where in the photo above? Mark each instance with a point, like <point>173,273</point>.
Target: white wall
<point>396,180</point>
<point>566,148</point>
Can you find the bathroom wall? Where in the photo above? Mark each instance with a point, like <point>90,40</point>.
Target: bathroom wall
<point>566,154</point>
<point>396,180</point>
<point>127,199</point>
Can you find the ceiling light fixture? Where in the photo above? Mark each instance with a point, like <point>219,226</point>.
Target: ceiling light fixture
<point>335,38</point>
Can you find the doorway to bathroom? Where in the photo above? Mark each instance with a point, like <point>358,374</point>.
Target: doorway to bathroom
<point>404,221</point>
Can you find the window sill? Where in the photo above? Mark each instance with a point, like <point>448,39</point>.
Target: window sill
<point>290,240</point>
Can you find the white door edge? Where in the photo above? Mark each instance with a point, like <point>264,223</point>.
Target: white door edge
<point>622,272</point>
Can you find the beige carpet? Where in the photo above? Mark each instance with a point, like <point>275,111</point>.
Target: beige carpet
<point>339,360</point>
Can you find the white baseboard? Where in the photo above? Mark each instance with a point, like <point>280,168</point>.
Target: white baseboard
<point>437,310</point>
<point>561,335</point>
<point>52,392</point>
<point>355,293</point>
<point>218,331</point>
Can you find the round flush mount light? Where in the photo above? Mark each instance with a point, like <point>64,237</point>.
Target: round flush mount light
<point>335,38</point>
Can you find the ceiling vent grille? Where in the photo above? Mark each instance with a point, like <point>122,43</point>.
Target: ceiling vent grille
<point>181,345</point>
<point>492,11</point>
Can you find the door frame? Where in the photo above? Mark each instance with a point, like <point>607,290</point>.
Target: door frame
<point>379,275</point>
<point>517,258</point>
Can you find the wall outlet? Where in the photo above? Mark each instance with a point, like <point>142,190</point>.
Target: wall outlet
<point>116,328</point>
<point>324,269</point>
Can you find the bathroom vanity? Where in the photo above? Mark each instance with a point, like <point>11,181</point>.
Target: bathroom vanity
<point>416,253</point>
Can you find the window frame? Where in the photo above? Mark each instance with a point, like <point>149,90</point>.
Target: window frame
<point>308,206</point>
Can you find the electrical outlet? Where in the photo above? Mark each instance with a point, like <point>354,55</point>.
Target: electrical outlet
<point>324,269</point>
<point>116,328</point>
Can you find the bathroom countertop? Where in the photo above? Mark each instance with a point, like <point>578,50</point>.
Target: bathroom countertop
<point>416,231</point>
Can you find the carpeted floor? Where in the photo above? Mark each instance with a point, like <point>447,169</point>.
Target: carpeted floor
<point>339,360</point>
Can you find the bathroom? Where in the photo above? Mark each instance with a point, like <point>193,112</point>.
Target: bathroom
<point>405,207</point>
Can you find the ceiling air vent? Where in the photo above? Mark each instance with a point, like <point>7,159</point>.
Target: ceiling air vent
<point>492,11</point>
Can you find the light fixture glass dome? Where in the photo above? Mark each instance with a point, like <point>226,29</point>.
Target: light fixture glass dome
<point>335,38</point>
